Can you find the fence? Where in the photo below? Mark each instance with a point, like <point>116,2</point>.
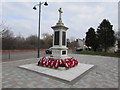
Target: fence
<point>8,55</point>
<point>20,54</point>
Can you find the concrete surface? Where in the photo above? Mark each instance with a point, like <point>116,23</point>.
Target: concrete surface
<point>104,75</point>
<point>68,75</point>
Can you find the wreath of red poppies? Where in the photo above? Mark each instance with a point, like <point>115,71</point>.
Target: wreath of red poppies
<point>56,63</point>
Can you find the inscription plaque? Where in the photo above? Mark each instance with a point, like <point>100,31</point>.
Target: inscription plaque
<point>63,52</point>
<point>56,39</point>
<point>63,38</point>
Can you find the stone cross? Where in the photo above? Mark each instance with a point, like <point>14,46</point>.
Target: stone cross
<point>60,11</point>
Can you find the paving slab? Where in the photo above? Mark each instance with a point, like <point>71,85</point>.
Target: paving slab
<point>67,75</point>
<point>103,75</point>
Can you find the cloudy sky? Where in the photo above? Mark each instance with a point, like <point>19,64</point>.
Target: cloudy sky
<point>78,16</point>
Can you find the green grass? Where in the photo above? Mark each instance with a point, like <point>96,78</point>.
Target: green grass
<point>99,53</point>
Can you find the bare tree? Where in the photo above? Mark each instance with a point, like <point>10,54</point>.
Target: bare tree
<point>7,40</point>
<point>31,42</point>
<point>48,39</point>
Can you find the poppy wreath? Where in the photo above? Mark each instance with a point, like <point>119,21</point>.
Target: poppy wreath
<point>56,63</point>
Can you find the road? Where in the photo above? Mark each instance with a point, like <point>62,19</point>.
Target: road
<point>10,56</point>
<point>20,55</point>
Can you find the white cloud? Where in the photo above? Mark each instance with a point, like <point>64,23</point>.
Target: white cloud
<point>78,16</point>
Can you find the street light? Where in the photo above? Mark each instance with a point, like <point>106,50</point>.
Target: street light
<point>40,3</point>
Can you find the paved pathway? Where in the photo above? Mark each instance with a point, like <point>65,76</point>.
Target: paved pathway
<point>103,75</point>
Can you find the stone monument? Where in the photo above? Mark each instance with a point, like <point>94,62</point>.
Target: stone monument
<point>59,56</point>
<point>59,59</point>
<point>59,49</point>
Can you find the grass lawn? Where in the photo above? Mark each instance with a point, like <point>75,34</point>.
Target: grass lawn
<point>99,53</point>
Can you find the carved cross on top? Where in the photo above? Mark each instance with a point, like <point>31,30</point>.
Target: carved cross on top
<point>60,11</point>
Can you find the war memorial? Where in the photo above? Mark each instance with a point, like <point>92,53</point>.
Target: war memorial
<point>59,65</point>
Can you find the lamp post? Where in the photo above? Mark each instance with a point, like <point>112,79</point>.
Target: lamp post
<point>40,3</point>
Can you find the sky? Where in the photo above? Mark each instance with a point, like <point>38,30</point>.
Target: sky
<point>77,16</point>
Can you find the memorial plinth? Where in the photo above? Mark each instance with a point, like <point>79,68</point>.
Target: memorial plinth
<point>69,76</point>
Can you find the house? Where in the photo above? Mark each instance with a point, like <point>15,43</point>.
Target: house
<point>114,48</point>
<point>81,44</point>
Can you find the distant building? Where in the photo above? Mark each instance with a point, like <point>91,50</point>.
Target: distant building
<point>81,44</point>
<point>115,48</point>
